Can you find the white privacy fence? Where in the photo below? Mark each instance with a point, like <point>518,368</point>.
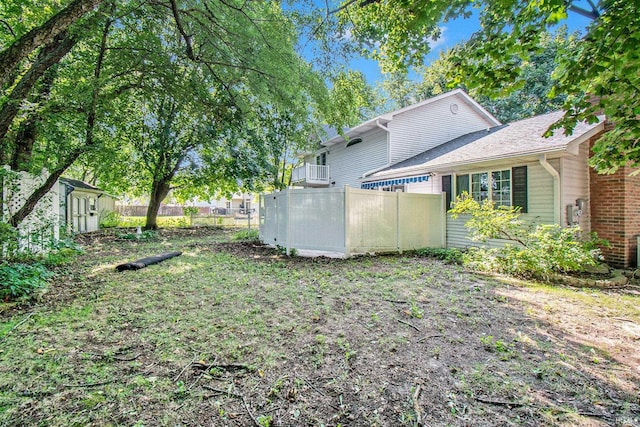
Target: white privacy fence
<point>351,221</point>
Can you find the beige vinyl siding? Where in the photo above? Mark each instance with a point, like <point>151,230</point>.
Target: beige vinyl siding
<point>575,184</point>
<point>540,195</point>
<point>348,164</point>
<point>418,130</point>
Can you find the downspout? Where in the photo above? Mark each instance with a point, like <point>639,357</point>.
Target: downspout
<point>556,187</point>
<point>372,171</point>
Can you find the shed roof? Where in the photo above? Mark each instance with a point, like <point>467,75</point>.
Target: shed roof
<point>76,183</point>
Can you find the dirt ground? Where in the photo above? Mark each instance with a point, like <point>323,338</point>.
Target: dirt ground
<point>236,334</point>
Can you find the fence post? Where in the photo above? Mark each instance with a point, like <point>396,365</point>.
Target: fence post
<point>398,243</point>
<point>347,209</point>
<point>443,213</point>
<point>288,221</point>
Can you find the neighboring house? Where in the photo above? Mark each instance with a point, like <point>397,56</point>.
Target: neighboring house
<point>450,144</point>
<point>238,203</point>
<point>82,204</point>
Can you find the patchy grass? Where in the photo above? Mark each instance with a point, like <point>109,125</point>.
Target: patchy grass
<point>235,334</point>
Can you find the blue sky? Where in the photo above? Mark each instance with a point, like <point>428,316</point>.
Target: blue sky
<point>453,32</point>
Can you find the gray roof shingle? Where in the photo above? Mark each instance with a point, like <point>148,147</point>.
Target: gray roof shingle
<point>501,142</point>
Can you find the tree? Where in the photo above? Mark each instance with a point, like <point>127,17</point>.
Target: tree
<point>66,92</point>
<point>602,75</point>
<point>528,98</point>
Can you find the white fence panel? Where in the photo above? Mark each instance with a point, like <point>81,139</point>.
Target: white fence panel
<point>372,221</point>
<point>422,221</point>
<point>352,221</point>
<point>317,219</point>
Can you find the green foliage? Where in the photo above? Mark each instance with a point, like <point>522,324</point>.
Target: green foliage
<point>62,251</point>
<point>451,255</point>
<point>19,280</point>
<point>597,73</point>
<point>163,221</point>
<point>110,219</point>
<point>8,239</point>
<point>246,236</point>
<point>190,210</point>
<point>144,235</point>
<point>534,252</point>
<point>487,221</point>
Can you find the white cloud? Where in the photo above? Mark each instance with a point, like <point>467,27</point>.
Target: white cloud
<point>433,44</point>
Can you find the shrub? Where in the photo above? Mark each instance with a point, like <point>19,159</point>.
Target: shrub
<point>145,235</point>
<point>451,255</point>
<point>18,280</point>
<point>246,236</point>
<point>110,219</point>
<point>534,251</point>
<point>8,240</point>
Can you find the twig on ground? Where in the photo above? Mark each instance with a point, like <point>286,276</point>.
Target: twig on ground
<point>395,301</point>
<point>255,422</point>
<point>428,337</point>
<point>218,391</point>
<point>416,405</point>
<point>229,367</point>
<point>16,326</point>
<point>119,359</point>
<point>313,386</point>
<point>622,319</point>
<point>86,385</point>
<point>408,324</point>
<point>185,368</point>
<point>237,396</point>
<point>499,402</point>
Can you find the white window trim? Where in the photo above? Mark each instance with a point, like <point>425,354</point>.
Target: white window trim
<point>489,172</point>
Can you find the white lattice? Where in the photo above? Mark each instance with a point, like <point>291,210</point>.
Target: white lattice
<point>41,226</point>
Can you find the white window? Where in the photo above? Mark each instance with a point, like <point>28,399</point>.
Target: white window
<point>478,186</point>
<point>501,187</point>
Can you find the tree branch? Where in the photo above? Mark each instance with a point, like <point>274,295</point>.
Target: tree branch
<point>51,54</point>
<point>591,14</point>
<point>21,48</point>
<point>6,24</point>
<point>187,38</point>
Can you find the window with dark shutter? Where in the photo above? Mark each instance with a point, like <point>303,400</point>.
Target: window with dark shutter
<point>446,187</point>
<point>519,194</point>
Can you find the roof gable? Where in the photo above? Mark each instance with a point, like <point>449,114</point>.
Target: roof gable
<point>382,120</point>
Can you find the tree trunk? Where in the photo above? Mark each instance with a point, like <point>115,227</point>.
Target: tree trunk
<point>35,197</point>
<point>159,191</point>
<point>44,34</point>
<point>28,130</point>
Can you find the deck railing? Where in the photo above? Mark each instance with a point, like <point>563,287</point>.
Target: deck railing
<point>311,174</point>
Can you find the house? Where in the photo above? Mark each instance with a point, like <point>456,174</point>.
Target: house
<point>451,144</point>
<point>82,204</point>
<point>391,138</point>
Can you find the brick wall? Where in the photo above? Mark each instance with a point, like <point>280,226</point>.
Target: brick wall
<point>615,214</point>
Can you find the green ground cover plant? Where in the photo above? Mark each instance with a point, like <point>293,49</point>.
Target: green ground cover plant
<point>231,333</point>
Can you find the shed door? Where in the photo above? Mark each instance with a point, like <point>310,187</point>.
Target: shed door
<point>79,214</point>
